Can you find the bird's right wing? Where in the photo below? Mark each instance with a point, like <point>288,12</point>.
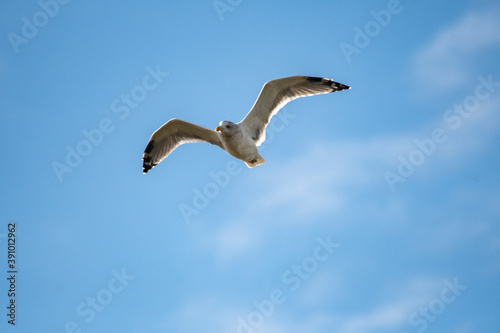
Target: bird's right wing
<point>172,134</point>
<point>277,93</point>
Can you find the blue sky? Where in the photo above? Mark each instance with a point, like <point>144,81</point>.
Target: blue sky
<point>377,209</point>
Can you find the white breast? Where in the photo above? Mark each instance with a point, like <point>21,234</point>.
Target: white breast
<point>240,146</point>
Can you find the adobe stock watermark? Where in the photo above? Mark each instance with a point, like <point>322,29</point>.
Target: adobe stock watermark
<point>453,117</point>
<point>292,279</point>
<point>221,179</point>
<point>121,107</point>
<point>421,318</point>
<point>32,25</point>
<point>373,28</point>
<point>93,305</point>
<point>223,6</point>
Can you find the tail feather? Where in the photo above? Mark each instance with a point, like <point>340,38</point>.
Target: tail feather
<point>256,161</point>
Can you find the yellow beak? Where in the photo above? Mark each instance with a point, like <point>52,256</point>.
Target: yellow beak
<point>218,128</point>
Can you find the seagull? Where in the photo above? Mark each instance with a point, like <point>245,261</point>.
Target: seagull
<point>242,139</point>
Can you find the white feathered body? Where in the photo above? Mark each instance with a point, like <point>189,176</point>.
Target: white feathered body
<point>240,145</point>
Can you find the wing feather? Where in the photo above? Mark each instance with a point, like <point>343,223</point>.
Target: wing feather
<point>275,94</point>
<point>172,134</point>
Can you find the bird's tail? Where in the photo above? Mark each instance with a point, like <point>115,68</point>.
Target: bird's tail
<point>256,161</point>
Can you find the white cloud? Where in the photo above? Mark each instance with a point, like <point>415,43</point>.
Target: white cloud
<point>448,61</point>
<point>234,239</point>
<point>332,177</point>
<point>318,179</point>
<point>449,235</point>
<point>392,314</point>
<point>205,314</point>
<point>230,239</point>
<point>388,317</point>
<point>323,179</point>
<point>466,327</point>
<point>320,289</point>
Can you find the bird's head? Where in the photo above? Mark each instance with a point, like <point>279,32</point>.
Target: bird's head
<point>228,128</point>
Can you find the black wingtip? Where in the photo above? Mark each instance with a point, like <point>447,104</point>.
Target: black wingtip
<point>149,147</point>
<point>315,79</point>
<point>147,165</point>
<point>336,86</point>
<point>340,86</point>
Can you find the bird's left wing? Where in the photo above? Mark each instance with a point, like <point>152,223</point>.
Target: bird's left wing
<point>276,93</point>
<point>172,134</point>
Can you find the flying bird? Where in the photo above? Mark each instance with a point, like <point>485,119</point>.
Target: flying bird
<point>242,139</point>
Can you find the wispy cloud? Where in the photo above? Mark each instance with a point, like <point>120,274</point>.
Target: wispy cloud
<point>321,289</point>
<point>396,313</point>
<point>328,177</point>
<point>451,234</point>
<point>390,314</point>
<point>234,239</point>
<point>332,177</point>
<point>231,239</point>
<point>208,313</point>
<point>318,179</point>
<point>450,58</point>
